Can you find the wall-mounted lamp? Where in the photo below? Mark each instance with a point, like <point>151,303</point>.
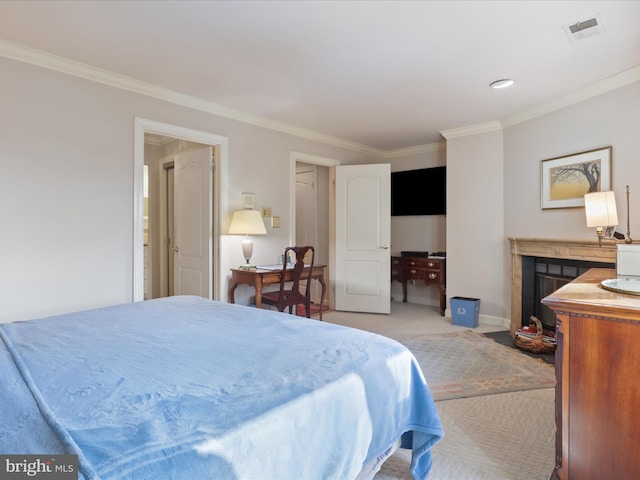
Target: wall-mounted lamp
<point>247,222</point>
<point>601,212</point>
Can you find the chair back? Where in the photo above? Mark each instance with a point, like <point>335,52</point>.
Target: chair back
<point>304,256</point>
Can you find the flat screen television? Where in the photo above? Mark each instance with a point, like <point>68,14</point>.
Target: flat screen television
<point>419,192</point>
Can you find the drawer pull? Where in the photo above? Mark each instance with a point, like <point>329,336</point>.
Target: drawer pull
<point>431,264</point>
<point>412,272</point>
<point>413,263</point>
<point>432,276</point>
<point>396,262</point>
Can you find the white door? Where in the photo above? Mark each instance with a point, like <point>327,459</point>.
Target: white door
<point>306,206</point>
<point>306,215</point>
<point>363,201</point>
<point>192,243</point>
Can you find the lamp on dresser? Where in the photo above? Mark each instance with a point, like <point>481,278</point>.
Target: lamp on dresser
<point>247,222</point>
<point>602,213</point>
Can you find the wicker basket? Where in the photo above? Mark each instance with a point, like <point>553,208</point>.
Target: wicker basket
<point>535,345</point>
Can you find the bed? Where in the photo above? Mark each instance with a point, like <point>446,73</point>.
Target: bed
<point>189,388</point>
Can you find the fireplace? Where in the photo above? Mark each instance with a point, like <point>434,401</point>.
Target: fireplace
<point>542,276</point>
<point>543,265</point>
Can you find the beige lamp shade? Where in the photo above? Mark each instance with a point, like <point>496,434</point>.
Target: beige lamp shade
<point>247,222</point>
<point>600,209</point>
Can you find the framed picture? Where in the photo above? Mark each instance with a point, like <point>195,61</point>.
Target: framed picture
<point>565,180</point>
<point>248,201</point>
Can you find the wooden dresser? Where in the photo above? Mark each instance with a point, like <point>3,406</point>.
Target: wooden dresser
<point>598,381</point>
<point>432,271</point>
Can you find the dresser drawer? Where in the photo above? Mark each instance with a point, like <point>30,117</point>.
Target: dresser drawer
<point>413,262</point>
<point>425,274</point>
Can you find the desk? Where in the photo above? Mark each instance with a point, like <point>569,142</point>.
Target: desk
<point>257,278</point>
<point>431,270</point>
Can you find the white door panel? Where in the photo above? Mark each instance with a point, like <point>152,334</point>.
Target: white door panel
<point>307,215</point>
<point>362,238</point>
<point>193,222</point>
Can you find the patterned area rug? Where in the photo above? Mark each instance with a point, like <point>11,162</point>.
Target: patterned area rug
<point>467,364</point>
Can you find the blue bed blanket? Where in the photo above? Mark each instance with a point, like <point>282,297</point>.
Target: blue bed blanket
<point>189,388</point>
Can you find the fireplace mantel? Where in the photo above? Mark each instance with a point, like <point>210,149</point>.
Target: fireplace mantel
<point>587,250</point>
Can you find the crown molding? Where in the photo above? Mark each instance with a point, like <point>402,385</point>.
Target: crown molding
<point>417,150</point>
<point>471,130</point>
<point>95,74</point>
<point>604,86</point>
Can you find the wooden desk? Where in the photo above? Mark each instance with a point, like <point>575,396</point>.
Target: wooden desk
<point>597,388</point>
<point>257,278</point>
<point>431,270</point>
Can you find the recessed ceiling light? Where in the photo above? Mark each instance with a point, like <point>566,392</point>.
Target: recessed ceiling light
<point>504,83</point>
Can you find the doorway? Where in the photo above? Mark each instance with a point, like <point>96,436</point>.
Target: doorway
<point>180,217</point>
<point>308,205</point>
<point>214,190</point>
<point>311,212</point>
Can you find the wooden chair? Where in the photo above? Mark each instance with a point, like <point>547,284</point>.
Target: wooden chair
<point>291,297</point>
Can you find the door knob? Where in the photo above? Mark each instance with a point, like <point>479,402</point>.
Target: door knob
<point>175,249</point>
<point>385,246</point>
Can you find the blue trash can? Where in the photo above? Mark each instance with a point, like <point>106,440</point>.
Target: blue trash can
<point>465,311</point>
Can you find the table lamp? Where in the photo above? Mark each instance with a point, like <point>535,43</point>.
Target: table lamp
<point>600,209</point>
<point>247,222</point>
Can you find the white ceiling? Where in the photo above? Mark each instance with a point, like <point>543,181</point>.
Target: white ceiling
<point>385,74</point>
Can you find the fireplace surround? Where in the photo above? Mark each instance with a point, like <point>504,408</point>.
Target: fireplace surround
<point>581,250</point>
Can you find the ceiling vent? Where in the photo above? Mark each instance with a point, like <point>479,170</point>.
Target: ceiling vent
<point>584,28</point>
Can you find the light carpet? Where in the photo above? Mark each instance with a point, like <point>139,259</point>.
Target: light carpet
<point>466,364</point>
<point>510,436</point>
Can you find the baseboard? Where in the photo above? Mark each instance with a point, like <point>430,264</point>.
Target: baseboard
<point>482,319</point>
<point>487,320</point>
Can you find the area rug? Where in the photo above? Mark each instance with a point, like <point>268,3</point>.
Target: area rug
<point>467,364</point>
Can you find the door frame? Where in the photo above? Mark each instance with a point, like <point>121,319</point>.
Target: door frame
<point>294,158</point>
<point>142,126</point>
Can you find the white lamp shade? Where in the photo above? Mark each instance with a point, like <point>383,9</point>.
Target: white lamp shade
<point>600,209</point>
<point>247,222</point>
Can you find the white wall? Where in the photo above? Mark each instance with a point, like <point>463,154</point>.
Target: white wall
<point>66,187</point>
<point>475,231</point>
<point>610,119</point>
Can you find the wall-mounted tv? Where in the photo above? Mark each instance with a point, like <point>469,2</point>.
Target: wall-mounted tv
<point>419,192</point>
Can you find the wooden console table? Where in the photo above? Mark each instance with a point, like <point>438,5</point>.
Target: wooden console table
<point>257,278</point>
<point>431,270</point>
<point>597,387</point>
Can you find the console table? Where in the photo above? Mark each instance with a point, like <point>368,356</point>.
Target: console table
<point>597,388</point>
<point>428,269</point>
<point>257,278</point>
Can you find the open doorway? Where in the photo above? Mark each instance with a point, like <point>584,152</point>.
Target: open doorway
<point>311,212</point>
<point>178,217</point>
<point>180,165</point>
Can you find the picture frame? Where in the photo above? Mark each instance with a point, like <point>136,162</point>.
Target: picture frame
<point>248,201</point>
<point>565,180</point>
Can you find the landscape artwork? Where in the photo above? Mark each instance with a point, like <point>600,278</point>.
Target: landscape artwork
<point>565,180</point>
<point>573,181</point>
